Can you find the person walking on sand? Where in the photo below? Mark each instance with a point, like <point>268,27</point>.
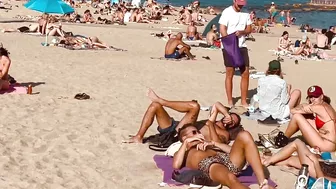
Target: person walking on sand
<point>234,21</point>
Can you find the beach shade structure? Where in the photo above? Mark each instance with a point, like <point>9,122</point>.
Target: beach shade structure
<point>49,7</point>
<point>213,21</point>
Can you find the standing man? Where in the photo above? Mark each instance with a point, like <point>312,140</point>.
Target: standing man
<point>234,21</point>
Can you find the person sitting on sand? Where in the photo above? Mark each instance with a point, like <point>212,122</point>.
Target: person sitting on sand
<point>42,22</point>
<point>285,44</point>
<point>87,17</point>
<point>212,37</point>
<point>191,110</point>
<point>192,33</point>
<point>172,50</point>
<point>219,162</point>
<point>304,156</point>
<point>275,97</point>
<point>5,63</point>
<point>315,120</point>
<point>54,29</point>
<point>322,40</point>
<point>304,48</point>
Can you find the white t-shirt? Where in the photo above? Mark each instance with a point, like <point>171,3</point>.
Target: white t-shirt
<point>235,21</point>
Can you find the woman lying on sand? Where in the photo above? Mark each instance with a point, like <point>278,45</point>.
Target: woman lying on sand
<point>304,156</point>
<point>81,42</point>
<point>219,162</point>
<point>315,120</point>
<point>5,62</point>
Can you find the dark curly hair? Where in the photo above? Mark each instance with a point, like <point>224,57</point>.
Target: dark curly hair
<point>180,131</point>
<point>4,52</point>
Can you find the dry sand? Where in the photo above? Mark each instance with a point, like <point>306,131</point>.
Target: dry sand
<point>52,141</point>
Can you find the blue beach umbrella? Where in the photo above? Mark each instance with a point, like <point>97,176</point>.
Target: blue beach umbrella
<point>49,7</point>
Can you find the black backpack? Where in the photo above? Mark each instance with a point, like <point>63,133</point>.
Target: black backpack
<point>160,142</point>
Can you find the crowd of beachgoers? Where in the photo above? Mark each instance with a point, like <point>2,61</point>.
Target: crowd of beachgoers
<point>219,147</point>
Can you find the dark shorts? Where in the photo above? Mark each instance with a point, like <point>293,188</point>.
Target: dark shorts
<point>170,128</point>
<point>244,53</point>
<point>175,55</point>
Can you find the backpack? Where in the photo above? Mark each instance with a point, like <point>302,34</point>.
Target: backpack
<point>160,142</point>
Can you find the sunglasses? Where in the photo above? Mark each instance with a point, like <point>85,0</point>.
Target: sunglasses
<point>194,132</point>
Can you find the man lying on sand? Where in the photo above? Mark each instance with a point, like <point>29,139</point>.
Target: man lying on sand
<point>172,50</point>
<point>219,162</point>
<point>191,110</point>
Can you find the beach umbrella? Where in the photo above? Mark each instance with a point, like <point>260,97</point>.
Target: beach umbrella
<point>49,7</point>
<point>213,21</point>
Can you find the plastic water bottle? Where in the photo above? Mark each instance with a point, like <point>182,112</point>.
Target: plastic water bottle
<point>253,104</point>
<point>302,179</point>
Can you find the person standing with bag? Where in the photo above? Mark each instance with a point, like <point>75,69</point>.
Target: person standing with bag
<point>233,21</point>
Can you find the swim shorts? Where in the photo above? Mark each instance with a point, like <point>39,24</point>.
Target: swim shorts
<point>220,158</point>
<point>244,53</point>
<point>170,128</point>
<point>175,55</point>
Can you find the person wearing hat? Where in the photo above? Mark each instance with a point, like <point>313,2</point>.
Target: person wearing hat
<point>233,21</point>
<point>275,97</point>
<point>315,120</point>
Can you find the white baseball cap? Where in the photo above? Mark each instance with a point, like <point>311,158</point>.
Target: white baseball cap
<point>272,3</point>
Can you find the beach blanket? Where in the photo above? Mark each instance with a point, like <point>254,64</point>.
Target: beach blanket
<point>165,163</point>
<point>15,89</point>
<point>298,57</point>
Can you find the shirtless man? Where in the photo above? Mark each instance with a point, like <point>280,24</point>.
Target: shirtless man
<point>219,162</point>
<point>191,110</point>
<point>172,50</point>
<point>192,33</point>
<point>5,63</point>
<point>212,36</point>
<point>322,40</point>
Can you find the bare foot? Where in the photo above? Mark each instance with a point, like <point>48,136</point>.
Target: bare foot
<point>245,105</point>
<point>265,161</point>
<point>153,96</point>
<point>133,139</point>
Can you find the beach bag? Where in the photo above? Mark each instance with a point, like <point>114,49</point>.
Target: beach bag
<point>160,142</point>
<point>231,48</point>
<point>297,43</point>
<point>328,168</point>
<point>274,139</point>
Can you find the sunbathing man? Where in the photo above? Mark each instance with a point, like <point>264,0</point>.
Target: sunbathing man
<point>212,36</point>
<point>82,41</point>
<point>219,162</point>
<point>191,110</point>
<point>192,33</point>
<point>172,50</point>
<point>5,63</point>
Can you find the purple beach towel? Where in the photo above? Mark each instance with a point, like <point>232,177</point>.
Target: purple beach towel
<point>230,44</point>
<point>166,165</point>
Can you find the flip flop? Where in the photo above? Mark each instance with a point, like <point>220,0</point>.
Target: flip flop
<point>82,96</point>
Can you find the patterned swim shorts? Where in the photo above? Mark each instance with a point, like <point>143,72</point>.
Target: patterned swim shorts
<point>221,158</point>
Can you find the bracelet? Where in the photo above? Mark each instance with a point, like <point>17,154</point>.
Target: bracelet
<point>264,183</point>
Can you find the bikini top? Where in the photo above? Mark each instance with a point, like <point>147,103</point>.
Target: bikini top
<point>319,123</point>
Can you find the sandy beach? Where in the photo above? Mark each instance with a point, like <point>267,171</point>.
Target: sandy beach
<point>50,140</point>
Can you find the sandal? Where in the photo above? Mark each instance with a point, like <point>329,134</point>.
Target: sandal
<point>82,96</point>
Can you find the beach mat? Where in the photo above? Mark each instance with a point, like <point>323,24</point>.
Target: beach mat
<point>96,49</point>
<point>15,89</point>
<point>165,163</point>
